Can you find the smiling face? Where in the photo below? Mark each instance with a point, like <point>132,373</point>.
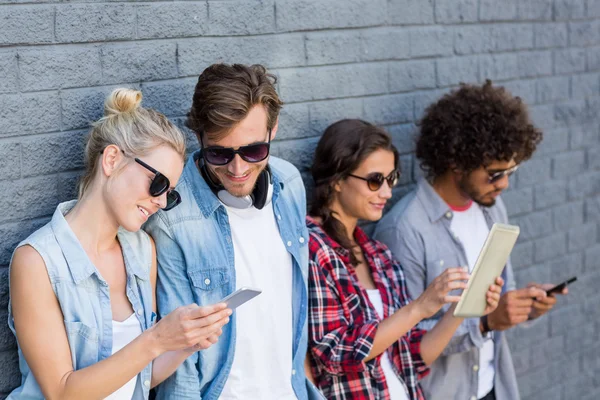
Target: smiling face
<point>127,191</point>
<point>354,199</point>
<point>239,177</point>
<point>477,186</point>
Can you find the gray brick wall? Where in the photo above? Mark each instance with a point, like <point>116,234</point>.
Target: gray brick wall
<point>381,60</point>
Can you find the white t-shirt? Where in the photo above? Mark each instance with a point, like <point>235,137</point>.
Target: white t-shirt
<point>123,333</point>
<point>262,364</point>
<point>472,230</point>
<point>396,386</point>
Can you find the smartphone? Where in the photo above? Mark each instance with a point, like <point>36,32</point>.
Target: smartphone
<point>558,288</point>
<point>240,296</point>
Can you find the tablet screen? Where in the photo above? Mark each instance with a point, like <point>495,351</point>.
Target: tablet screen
<point>489,265</point>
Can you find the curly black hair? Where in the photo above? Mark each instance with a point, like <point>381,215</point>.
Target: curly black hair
<point>474,126</point>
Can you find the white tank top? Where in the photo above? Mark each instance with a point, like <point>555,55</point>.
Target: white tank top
<point>396,386</point>
<point>123,333</point>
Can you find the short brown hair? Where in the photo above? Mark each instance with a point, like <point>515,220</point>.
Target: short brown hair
<point>474,126</point>
<point>225,94</point>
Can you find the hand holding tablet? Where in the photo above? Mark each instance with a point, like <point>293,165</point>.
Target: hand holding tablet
<point>489,265</point>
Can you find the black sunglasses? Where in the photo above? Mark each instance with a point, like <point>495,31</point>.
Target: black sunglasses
<point>375,180</point>
<point>161,184</point>
<point>251,153</point>
<point>496,176</point>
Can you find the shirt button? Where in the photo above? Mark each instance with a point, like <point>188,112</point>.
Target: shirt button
<point>441,263</point>
<point>473,397</point>
<point>293,372</point>
<point>449,215</point>
<point>147,383</point>
<point>207,281</point>
<point>289,243</point>
<point>140,311</point>
<point>279,217</point>
<point>301,240</point>
<point>475,368</point>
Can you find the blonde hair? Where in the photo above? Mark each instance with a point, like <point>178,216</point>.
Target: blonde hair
<point>132,128</point>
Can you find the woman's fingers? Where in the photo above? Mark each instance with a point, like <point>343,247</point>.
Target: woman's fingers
<point>451,299</point>
<point>455,276</point>
<point>211,319</point>
<point>213,339</point>
<point>196,312</point>
<point>456,285</point>
<point>213,329</point>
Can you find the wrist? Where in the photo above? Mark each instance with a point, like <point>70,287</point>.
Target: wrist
<point>152,342</point>
<point>417,310</point>
<point>484,325</point>
<point>453,318</point>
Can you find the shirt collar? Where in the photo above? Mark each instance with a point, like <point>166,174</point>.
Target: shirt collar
<point>434,205</point>
<point>366,244</point>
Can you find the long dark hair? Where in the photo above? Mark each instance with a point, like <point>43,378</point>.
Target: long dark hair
<point>342,148</point>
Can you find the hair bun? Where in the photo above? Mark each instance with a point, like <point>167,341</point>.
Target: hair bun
<point>122,100</point>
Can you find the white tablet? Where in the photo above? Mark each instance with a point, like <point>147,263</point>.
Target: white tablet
<point>490,263</point>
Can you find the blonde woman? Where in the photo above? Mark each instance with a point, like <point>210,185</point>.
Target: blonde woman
<point>82,287</point>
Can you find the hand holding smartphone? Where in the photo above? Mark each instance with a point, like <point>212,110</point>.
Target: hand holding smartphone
<point>559,288</point>
<point>240,296</point>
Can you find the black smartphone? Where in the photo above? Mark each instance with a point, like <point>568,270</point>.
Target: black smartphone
<point>558,288</point>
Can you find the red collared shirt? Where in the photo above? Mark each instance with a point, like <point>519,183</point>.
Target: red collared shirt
<point>343,322</point>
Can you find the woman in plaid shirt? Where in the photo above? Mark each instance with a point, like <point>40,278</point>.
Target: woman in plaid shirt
<point>363,339</point>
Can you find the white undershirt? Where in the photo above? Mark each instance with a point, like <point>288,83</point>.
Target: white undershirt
<point>262,364</point>
<point>471,228</point>
<point>123,333</point>
<point>396,386</point>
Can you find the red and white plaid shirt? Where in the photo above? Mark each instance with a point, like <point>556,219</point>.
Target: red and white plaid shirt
<point>343,322</point>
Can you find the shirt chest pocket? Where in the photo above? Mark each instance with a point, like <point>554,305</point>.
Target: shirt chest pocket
<point>83,341</point>
<point>441,262</point>
<point>209,279</point>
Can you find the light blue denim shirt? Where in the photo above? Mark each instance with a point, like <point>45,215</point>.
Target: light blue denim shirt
<point>84,297</point>
<point>417,231</point>
<point>196,265</point>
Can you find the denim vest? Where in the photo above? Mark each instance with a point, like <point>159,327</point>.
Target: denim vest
<point>84,298</point>
<point>196,265</point>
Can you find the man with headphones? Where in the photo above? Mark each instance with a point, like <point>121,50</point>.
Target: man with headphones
<point>241,223</point>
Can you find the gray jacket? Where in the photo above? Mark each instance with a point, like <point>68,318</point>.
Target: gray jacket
<point>417,231</point>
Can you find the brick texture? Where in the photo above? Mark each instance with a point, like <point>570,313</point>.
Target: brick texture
<point>380,60</point>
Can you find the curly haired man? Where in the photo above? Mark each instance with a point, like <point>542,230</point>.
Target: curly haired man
<point>471,140</point>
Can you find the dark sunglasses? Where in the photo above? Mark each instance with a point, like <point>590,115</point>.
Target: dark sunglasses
<point>496,176</point>
<point>375,180</point>
<point>161,184</point>
<point>251,153</point>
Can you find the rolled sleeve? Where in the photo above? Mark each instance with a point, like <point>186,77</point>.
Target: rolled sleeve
<point>336,343</point>
<point>415,337</point>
